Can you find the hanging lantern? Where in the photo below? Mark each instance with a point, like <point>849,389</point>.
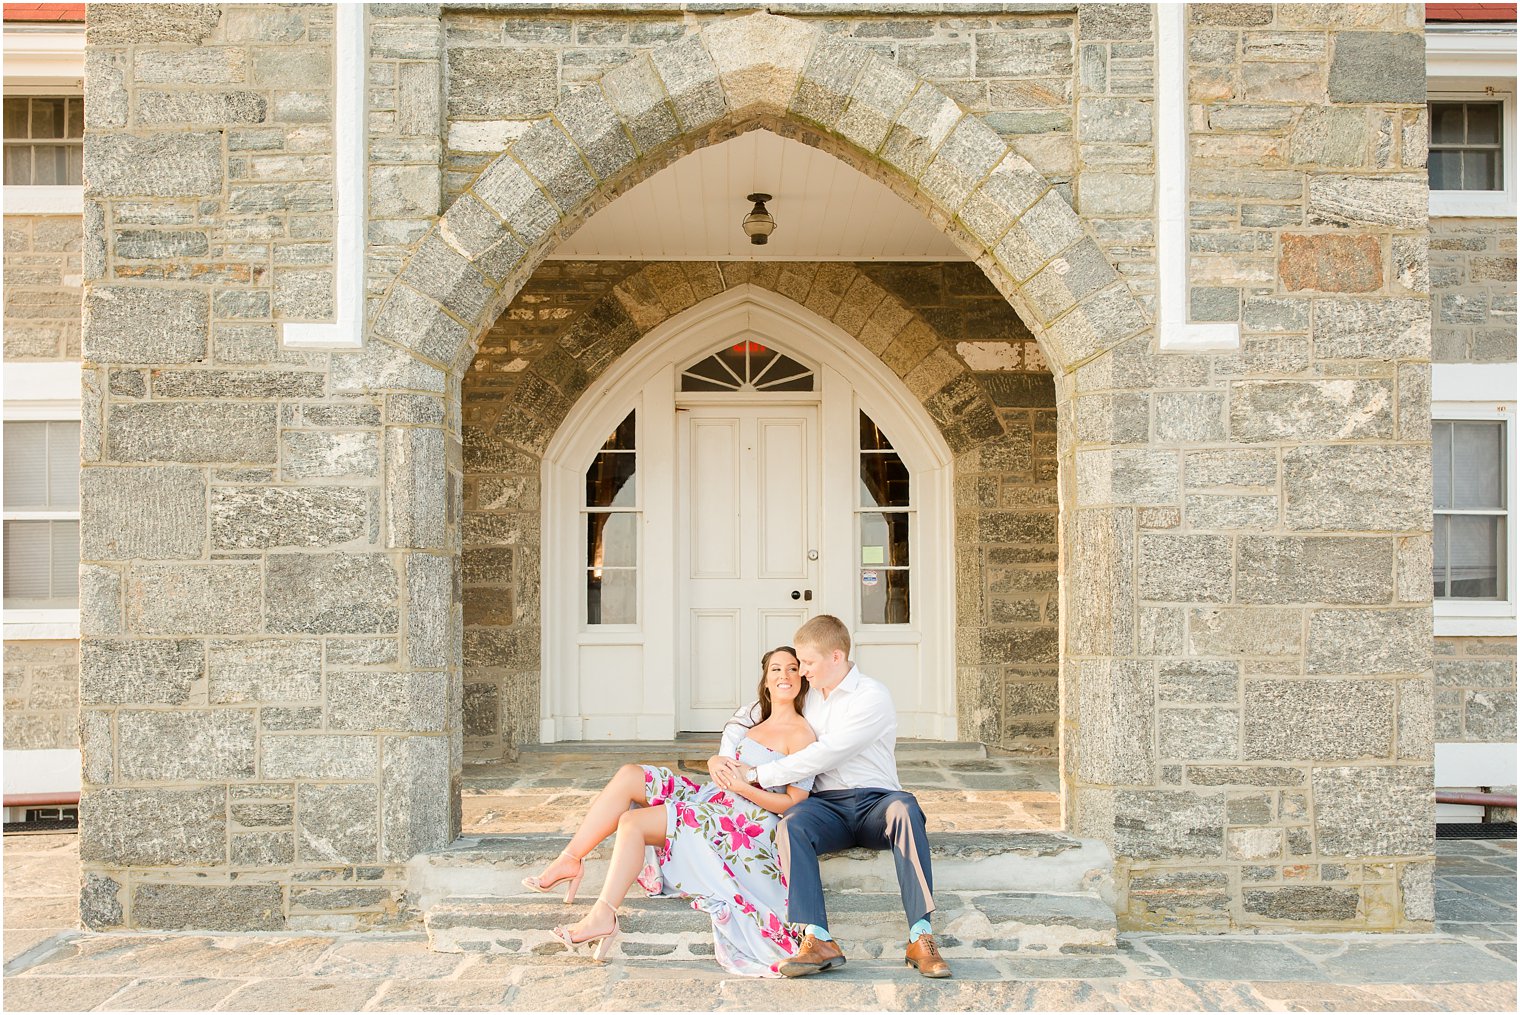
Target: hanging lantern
<point>758,224</point>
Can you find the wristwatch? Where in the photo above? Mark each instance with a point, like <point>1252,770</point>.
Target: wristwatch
<point>750,775</point>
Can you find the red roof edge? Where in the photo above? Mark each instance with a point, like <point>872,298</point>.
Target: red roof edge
<point>56,13</point>
<point>1470,12</point>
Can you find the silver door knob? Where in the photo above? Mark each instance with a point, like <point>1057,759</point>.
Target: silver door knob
<point>812,555</point>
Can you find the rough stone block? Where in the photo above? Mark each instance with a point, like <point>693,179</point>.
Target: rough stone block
<point>417,794</point>
<point>827,79</point>
<point>193,432</point>
<point>204,907</point>
<point>331,593</point>
<point>1114,119</point>
<point>381,365</point>
<point>545,151</point>
<point>265,517</point>
<point>1374,811</point>
<point>638,95</point>
<point>1022,53</point>
<point>430,608</point>
<point>1369,641</point>
<point>264,670</point>
<point>337,823</point>
<point>122,672</point>
<point>319,756</point>
<point>135,324</point>
<point>921,127</point>
<point>1357,488</point>
<point>1329,136</point>
<point>1314,569</point>
<point>326,454</point>
<point>517,81</point>
<point>1114,699</point>
<point>1040,234</point>
<point>154,827</point>
<point>1153,824</point>
<point>100,900</point>
<point>1401,202</point>
<point>263,849</point>
<point>691,81</point>
<point>1185,568</point>
<point>963,160</point>
<point>1417,719</point>
<point>1342,409</point>
<point>514,195</point>
<point>199,599</point>
<point>365,700</point>
<point>1377,67</point>
<point>1245,631</point>
<point>1198,682</point>
<point>151,513</point>
<point>1331,263</point>
<point>881,90</point>
<point>1198,734</point>
<point>1318,720</point>
<point>192,746</point>
<point>156,165</point>
<point>1304,903</point>
<point>414,492</point>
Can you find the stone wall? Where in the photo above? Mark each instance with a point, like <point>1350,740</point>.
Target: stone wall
<point>42,287</point>
<point>1472,286</point>
<point>272,560</point>
<point>1475,690</point>
<point>41,695</point>
<point>564,329</point>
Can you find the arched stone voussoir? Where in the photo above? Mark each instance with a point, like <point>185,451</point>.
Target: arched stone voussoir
<point>765,71</point>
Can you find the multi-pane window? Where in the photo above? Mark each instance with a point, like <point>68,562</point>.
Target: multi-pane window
<point>44,140</point>
<point>41,515</point>
<point>747,366</point>
<point>1471,514</point>
<point>1466,146</point>
<point>612,530</point>
<point>884,520</point>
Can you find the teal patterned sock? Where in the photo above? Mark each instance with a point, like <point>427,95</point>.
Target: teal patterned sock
<point>821,933</point>
<point>921,927</point>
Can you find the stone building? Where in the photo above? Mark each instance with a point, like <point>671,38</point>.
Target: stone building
<point>1113,370</point>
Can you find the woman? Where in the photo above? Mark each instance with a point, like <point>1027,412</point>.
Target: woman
<point>715,846</point>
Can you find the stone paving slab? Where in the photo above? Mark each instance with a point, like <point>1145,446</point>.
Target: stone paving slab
<point>66,969</point>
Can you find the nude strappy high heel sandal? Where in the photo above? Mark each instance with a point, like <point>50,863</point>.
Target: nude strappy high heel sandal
<point>534,885</point>
<point>603,942</point>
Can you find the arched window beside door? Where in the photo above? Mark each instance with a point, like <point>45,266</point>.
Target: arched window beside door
<point>612,531</point>
<point>885,518</point>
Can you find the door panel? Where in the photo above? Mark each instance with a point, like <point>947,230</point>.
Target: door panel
<point>749,501</point>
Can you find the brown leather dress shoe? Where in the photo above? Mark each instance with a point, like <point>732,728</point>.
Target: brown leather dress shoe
<point>814,956</point>
<point>924,956</point>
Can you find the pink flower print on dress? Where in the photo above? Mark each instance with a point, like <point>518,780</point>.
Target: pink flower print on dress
<point>744,905</point>
<point>741,831</point>
<point>669,788</point>
<point>686,816</point>
<point>688,782</point>
<point>722,800</point>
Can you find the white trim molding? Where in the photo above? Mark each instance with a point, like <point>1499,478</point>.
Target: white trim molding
<point>53,770</point>
<point>1486,50</point>
<point>1174,330</point>
<point>43,200</point>
<point>44,55</point>
<point>350,139</point>
<point>42,382</point>
<point>1461,765</point>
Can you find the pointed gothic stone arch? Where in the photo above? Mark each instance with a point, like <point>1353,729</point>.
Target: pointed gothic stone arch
<point>760,71</point>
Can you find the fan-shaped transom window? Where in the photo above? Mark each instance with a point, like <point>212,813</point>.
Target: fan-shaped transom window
<point>747,365</point>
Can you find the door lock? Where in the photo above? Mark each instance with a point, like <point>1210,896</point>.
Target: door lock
<point>806,595</point>
<point>812,555</point>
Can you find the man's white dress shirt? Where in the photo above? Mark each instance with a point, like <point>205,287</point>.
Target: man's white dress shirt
<point>856,726</point>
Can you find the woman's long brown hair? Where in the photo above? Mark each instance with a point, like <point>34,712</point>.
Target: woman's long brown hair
<point>764,704</point>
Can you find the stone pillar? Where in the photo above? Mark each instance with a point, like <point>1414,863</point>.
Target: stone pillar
<point>270,601</point>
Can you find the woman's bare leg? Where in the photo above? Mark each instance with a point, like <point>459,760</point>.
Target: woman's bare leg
<point>635,830</point>
<point>601,820</point>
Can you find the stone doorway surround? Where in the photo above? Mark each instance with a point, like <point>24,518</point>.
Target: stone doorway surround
<point>1201,778</point>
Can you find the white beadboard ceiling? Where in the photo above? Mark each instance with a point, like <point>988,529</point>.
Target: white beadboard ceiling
<point>824,211</point>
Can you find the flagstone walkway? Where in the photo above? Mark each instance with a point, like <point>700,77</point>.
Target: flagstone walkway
<point>52,966</point>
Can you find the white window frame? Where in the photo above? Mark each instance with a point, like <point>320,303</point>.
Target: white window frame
<point>1474,63</point>
<point>41,392</point>
<point>43,61</point>
<point>1482,392</point>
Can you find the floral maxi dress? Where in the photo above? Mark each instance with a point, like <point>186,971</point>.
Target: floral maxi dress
<point>720,852</point>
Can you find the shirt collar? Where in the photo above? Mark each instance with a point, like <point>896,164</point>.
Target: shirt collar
<point>851,680</point>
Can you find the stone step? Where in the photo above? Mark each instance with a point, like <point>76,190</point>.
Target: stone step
<point>968,862</point>
<point>868,924</point>
<point>701,748</point>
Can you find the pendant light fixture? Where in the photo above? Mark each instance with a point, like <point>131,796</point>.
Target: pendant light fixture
<point>758,224</point>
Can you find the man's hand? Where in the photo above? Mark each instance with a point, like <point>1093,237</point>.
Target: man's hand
<point>726,772</point>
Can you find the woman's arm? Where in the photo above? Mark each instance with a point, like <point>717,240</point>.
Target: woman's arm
<point>776,803</point>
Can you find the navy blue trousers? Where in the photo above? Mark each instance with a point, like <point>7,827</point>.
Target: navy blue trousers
<point>836,819</point>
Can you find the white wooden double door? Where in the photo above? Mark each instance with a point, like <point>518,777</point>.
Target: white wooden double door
<point>746,544</point>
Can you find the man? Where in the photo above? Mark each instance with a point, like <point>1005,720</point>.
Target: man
<point>857,800</point>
